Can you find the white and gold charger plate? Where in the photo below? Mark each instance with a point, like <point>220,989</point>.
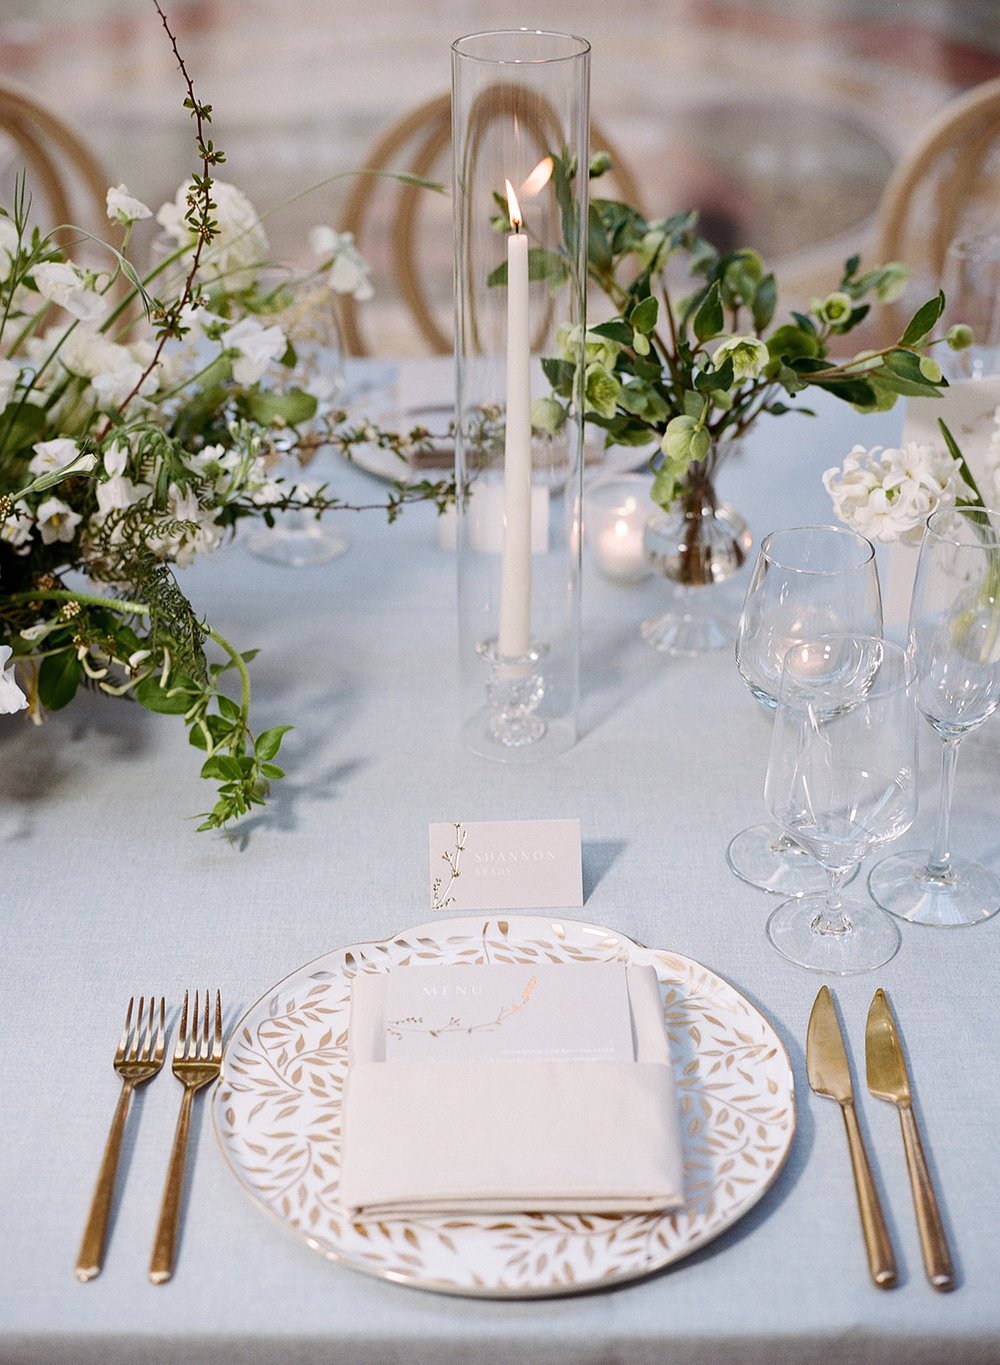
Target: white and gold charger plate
<point>277,1114</point>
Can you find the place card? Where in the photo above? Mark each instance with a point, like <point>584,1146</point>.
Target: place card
<point>506,865</point>
<point>499,1012</point>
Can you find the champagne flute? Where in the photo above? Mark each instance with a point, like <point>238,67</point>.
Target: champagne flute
<point>842,780</point>
<point>807,581</point>
<point>954,637</point>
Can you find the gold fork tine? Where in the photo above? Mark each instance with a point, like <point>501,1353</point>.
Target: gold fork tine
<point>195,1065</point>
<point>136,1060</point>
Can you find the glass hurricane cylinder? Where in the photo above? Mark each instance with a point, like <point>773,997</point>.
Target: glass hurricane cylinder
<point>520,135</point>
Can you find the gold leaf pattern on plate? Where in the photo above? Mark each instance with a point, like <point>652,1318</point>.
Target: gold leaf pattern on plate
<point>277,1117</point>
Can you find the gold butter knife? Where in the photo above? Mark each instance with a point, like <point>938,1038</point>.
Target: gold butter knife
<point>830,1075</point>
<point>888,1080</point>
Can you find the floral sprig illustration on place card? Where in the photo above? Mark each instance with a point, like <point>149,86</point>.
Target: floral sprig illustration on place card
<point>415,1023</point>
<point>440,897</point>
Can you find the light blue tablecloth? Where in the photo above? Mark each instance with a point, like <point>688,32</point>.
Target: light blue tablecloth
<point>107,889</point>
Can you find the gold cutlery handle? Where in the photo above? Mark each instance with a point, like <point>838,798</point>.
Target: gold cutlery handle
<point>95,1233</point>
<point>881,1261</point>
<point>161,1265</point>
<point>933,1240</point>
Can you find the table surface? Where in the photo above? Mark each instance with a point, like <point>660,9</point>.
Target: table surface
<point>108,889</point>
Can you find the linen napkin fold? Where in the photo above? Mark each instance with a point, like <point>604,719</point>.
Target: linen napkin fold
<point>426,1138</point>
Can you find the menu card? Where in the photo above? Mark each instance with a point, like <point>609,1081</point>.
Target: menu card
<point>498,1012</point>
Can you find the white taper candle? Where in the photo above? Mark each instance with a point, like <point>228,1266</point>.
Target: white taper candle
<point>514,637</point>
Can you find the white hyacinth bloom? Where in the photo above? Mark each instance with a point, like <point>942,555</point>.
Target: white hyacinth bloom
<point>257,346</point>
<point>56,521</point>
<point>11,697</point>
<point>124,207</point>
<point>65,285</point>
<point>888,494</point>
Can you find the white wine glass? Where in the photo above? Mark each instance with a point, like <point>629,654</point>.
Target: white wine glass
<point>954,637</point>
<point>841,781</point>
<point>970,278</point>
<point>807,581</point>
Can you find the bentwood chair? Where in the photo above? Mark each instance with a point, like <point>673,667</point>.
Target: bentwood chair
<point>947,184</point>
<point>405,229</point>
<point>63,177</point>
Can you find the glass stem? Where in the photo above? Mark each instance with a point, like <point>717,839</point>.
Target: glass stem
<point>831,919</point>
<point>939,863</point>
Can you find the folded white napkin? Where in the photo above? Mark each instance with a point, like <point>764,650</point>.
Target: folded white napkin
<point>425,1138</point>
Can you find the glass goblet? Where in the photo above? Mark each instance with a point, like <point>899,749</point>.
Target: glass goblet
<point>954,636</point>
<point>807,581</point>
<point>842,780</point>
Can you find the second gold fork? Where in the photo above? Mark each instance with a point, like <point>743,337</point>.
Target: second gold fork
<point>197,1062</point>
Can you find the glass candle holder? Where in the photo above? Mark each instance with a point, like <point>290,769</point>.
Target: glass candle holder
<point>616,508</point>
<point>520,134</point>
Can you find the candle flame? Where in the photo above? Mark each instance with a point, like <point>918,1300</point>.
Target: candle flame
<point>513,208</point>
<point>538,178</point>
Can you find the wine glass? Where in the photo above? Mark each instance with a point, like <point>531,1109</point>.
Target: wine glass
<point>807,581</point>
<point>842,780</point>
<point>970,279</point>
<point>954,637</point>
<point>298,537</point>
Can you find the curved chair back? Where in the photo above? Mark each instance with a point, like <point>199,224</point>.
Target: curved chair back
<point>62,171</point>
<point>419,145</point>
<point>947,184</point>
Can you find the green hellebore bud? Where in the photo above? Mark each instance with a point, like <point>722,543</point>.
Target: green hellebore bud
<point>748,354</point>
<point>930,369</point>
<point>640,343</point>
<point>835,309</point>
<point>676,440</point>
<point>960,336</point>
<point>548,416</point>
<point>892,282</point>
<point>601,391</point>
<point>599,163</point>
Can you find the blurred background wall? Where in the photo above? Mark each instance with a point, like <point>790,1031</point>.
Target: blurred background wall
<point>780,119</point>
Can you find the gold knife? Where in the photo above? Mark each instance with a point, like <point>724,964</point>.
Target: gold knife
<point>830,1075</point>
<point>888,1080</point>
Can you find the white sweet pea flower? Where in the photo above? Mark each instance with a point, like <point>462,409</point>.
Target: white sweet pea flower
<point>57,455</point>
<point>241,242</point>
<point>11,697</point>
<point>16,530</point>
<point>124,208</point>
<point>8,246</point>
<point>888,494</point>
<point>118,492</point>
<point>57,521</point>
<point>349,272</point>
<point>257,346</point>
<point>9,375</point>
<point>63,284</point>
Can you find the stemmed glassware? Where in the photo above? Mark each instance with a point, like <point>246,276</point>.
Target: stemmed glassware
<point>807,581</point>
<point>971,283</point>
<point>842,780</point>
<point>954,637</point>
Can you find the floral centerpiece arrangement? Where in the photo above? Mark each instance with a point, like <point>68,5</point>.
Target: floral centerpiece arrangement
<point>139,418</point>
<point>693,354</point>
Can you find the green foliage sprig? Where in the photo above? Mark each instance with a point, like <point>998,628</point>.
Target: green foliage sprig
<point>140,421</point>
<point>692,354</point>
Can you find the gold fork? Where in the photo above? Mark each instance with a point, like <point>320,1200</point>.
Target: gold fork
<point>138,1058</point>
<point>197,1062</point>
